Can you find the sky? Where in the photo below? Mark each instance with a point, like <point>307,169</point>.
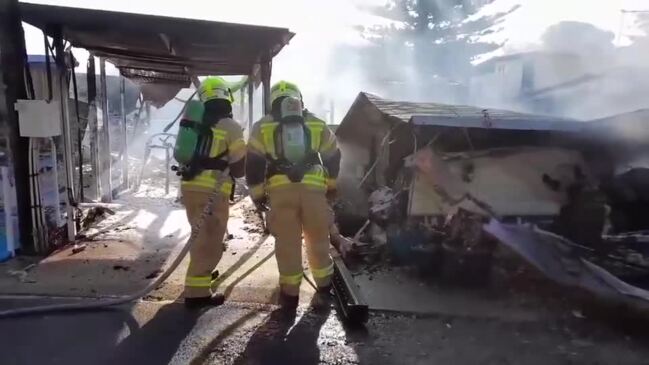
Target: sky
<point>523,28</point>
<point>322,25</point>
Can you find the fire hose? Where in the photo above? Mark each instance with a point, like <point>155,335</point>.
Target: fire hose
<point>142,292</point>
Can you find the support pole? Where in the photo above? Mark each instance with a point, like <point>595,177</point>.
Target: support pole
<point>93,128</point>
<point>104,133</point>
<point>251,92</point>
<point>13,58</point>
<point>266,69</point>
<point>64,94</point>
<point>242,105</point>
<point>122,95</point>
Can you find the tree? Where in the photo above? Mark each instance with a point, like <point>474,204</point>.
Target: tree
<point>431,47</point>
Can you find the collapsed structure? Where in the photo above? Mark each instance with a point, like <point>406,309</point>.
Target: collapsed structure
<point>430,176</point>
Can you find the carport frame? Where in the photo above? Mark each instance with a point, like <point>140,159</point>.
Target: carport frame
<point>59,23</point>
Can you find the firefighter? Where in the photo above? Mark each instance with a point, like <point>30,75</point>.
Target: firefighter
<point>227,150</point>
<point>292,165</point>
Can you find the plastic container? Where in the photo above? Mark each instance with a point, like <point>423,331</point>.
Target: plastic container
<point>9,239</point>
<point>5,251</point>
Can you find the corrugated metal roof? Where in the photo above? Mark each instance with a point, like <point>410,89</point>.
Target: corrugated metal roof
<point>172,47</point>
<point>467,116</point>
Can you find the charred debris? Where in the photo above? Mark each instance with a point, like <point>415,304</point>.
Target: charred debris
<point>447,188</point>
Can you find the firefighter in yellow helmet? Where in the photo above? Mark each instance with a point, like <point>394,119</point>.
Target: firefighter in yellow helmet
<point>292,164</point>
<point>227,150</point>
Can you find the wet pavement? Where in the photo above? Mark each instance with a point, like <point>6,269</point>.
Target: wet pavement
<point>411,323</point>
<point>236,333</point>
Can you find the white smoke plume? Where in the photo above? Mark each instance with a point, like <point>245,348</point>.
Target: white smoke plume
<point>332,60</point>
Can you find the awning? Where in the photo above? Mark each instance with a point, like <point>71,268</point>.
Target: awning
<point>159,49</point>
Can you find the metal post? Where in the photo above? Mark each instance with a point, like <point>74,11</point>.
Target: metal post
<point>122,94</point>
<point>12,87</point>
<point>65,124</point>
<point>332,112</point>
<point>105,156</point>
<point>242,105</point>
<point>251,91</point>
<point>93,128</point>
<point>266,69</point>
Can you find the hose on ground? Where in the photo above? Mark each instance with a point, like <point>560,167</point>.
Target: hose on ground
<point>140,293</point>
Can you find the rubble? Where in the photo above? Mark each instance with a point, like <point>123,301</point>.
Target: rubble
<point>438,180</point>
<point>95,215</point>
<point>77,248</point>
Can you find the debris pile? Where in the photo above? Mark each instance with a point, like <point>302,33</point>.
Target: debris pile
<point>452,195</point>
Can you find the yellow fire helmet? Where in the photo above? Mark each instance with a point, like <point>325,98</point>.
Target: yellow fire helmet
<point>284,88</point>
<point>214,87</point>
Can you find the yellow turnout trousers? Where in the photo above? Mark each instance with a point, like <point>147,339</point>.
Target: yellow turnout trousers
<point>207,249</point>
<point>295,210</point>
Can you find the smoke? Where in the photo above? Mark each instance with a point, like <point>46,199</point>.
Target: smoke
<point>342,47</point>
<point>576,59</point>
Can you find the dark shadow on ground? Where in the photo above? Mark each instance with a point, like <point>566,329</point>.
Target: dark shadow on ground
<point>157,341</point>
<point>205,353</point>
<point>243,259</point>
<point>66,339</point>
<point>233,285</point>
<point>278,341</point>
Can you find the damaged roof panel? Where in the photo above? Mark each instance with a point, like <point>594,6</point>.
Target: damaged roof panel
<point>162,44</point>
<point>495,119</point>
<point>466,116</point>
<point>445,115</point>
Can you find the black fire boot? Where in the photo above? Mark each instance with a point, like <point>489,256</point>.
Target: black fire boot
<point>288,304</point>
<point>322,298</point>
<point>214,300</point>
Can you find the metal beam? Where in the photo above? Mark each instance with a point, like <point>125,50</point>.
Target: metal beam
<point>105,158</point>
<point>266,69</point>
<point>251,92</point>
<point>13,58</point>
<point>93,128</point>
<point>122,95</point>
<point>65,124</point>
<point>242,105</point>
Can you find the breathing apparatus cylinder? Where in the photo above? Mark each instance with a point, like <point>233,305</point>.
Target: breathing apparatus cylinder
<point>193,141</point>
<point>293,133</point>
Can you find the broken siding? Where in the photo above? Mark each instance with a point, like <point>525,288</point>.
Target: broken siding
<point>509,180</point>
<point>389,131</point>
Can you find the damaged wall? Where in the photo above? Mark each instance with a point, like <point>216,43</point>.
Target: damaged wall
<point>510,180</point>
<point>353,167</point>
